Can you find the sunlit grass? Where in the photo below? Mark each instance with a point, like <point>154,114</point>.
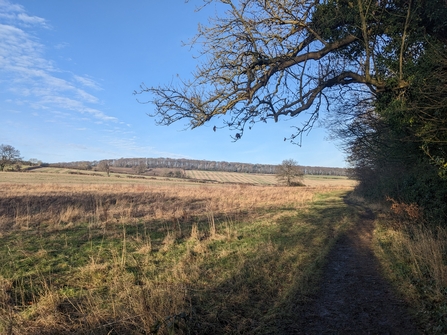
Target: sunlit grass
<point>113,259</point>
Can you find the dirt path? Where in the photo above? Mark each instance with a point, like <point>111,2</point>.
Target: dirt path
<point>354,298</point>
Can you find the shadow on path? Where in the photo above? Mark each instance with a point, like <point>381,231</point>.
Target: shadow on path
<point>354,298</point>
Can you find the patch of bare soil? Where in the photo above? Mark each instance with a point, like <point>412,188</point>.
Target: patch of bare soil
<point>354,298</point>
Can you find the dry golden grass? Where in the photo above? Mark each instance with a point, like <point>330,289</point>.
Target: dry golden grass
<point>31,205</point>
<point>158,257</point>
<point>329,181</point>
<point>70,176</point>
<point>270,179</point>
<point>413,255</point>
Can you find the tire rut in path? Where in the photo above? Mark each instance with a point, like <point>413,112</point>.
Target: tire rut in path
<point>354,298</point>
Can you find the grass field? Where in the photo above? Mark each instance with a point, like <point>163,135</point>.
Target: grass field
<point>233,177</point>
<point>62,175</point>
<point>268,179</point>
<point>95,255</point>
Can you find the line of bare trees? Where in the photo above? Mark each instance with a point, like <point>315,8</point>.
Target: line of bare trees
<point>193,164</point>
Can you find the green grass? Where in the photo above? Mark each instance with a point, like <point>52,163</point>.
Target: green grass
<point>224,277</point>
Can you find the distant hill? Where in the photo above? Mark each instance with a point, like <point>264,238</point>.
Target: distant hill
<point>194,164</point>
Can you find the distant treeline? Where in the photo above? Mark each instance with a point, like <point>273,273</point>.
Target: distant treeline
<point>194,164</point>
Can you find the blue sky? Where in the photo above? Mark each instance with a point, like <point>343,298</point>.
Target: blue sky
<point>68,70</point>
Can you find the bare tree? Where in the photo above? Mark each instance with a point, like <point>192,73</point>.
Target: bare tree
<point>8,156</point>
<point>267,60</point>
<point>289,173</point>
<point>104,166</point>
<point>83,165</point>
<point>35,162</point>
<point>140,168</point>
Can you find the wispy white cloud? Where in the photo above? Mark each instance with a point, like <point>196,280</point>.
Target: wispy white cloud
<point>88,82</point>
<point>31,77</point>
<point>20,53</point>
<point>67,105</point>
<point>129,145</point>
<point>17,14</point>
<point>10,7</point>
<point>31,19</point>
<point>132,146</point>
<point>61,45</point>
<point>100,115</point>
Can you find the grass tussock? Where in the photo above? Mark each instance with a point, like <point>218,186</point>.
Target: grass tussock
<point>132,259</point>
<point>414,257</point>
